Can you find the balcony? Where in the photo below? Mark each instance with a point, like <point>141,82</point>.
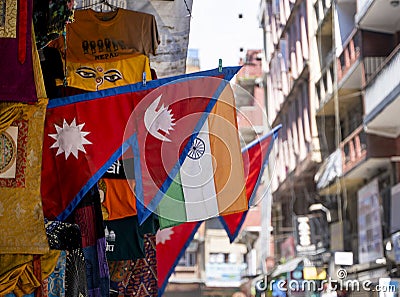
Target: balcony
<point>360,156</point>
<point>358,161</point>
<point>356,65</point>
<point>378,15</point>
<point>325,87</point>
<point>382,98</point>
<point>353,149</point>
<point>286,7</point>
<point>348,58</point>
<point>322,10</point>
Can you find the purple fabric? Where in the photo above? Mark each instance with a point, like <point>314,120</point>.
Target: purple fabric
<point>16,80</point>
<point>101,254</point>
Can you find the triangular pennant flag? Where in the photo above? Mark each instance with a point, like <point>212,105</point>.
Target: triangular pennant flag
<point>255,158</point>
<point>85,134</point>
<point>171,245</point>
<point>211,179</point>
<point>168,122</point>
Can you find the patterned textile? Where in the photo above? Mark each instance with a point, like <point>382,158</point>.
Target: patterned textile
<point>14,178</point>
<point>88,216</point>
<point>139,277</point>
<point>21,274</point>
<point>13,295</point>
<point>85,218</point>
<point>54,284</point>
<point>63,236</point>
<point>48,263</point>
<point>8,18</point>
<point>37,268</point>
<point>21,204</point>
<point>50,19</point>
<point>16,78</point>
<point>97,273</point>
<point>20,280</point>
<point>10,261</point>
<point>75,275</point>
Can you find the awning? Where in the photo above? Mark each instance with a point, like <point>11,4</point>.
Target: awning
<point>287,267</point>
<point>329,170</point>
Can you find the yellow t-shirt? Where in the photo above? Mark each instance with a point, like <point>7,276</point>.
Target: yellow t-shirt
<point>104,75</point>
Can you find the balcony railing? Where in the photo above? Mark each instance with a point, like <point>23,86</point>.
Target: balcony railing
<point>353,149</point>
<point>324,87</point>
<point>384,81</point>
<point>350,54</point>
<point>321,8</point>
<point>371,65</point>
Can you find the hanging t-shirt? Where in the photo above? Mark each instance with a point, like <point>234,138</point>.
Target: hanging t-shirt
<point>104,75</point>
<point>109,36</point>
<point>117,186</point>
<point>124,240</point>
<point>108,49</point>
<point>119,199</point>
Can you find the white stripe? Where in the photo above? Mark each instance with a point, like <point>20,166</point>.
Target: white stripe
<point>197,176</point>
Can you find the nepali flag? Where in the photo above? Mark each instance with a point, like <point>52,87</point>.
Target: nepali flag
<point>255,159</point>
<point>171,244</point>
<point>85,134</point>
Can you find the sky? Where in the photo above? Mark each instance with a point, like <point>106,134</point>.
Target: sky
<point>218,33</point>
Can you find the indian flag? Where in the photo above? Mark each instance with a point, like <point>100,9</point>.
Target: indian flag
<point>211,179</point>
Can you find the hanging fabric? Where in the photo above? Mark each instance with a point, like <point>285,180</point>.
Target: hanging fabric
<point>17,78</point>
<point>21,205</point>
<point>107,49</point>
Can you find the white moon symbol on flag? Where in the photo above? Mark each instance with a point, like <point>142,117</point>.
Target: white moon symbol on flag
<point>164,235</point>
<point>159,120</point>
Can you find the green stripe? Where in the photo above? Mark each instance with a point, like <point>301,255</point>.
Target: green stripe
<point>171,210</point>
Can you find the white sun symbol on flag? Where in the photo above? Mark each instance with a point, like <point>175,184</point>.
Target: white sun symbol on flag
<point>70,139</point>
<point>163,235</point>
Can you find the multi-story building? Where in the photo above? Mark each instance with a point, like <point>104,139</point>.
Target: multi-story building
<point>289,88</point>
<point>332,81</point>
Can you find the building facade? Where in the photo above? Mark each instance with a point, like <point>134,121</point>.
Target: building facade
<point>288,79</point>
<point>331,81</point>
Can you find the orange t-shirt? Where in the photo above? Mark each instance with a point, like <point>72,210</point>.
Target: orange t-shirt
<point>119,200</point>
<point>109,36</point>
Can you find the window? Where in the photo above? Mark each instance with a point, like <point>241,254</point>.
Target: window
<point>189,259</point>
<point>222,258</point>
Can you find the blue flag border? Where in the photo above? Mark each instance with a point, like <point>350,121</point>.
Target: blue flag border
<point>172,268</point>
<point>145,211</point>
<point>227,73</point>
<point>274,132</point>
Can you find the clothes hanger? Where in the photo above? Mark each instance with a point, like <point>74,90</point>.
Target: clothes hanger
<point>99,4</point>
<point>106,3</point>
